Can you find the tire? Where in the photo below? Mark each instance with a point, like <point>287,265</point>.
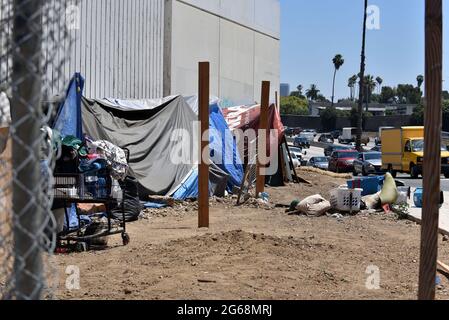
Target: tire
<point>355,173</point>
<point>414,172</point>
<point>364,172</point>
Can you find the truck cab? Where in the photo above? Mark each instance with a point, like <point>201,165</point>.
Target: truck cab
<point>403,151</point>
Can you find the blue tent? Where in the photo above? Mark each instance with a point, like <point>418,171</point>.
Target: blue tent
<point>68,120</point>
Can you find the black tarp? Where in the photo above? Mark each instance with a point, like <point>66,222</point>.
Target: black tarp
<point>148,136</point>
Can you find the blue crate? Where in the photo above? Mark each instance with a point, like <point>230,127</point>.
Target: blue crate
<point>370,185</point>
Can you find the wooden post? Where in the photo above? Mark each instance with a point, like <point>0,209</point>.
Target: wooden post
<point>262,137</point>
<point>432,154</point>
<point>203,115</point>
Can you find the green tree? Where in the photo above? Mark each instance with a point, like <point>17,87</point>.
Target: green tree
<point>338,61</point>
<point>351,84</point>
<point>294,106</point>
<point>420,80</point>
<point>354,115</point>
<point>312,92</point>
<point>329,118</point>
<point>387,94</point>
<point>379,81</point>
<point>408,94</point>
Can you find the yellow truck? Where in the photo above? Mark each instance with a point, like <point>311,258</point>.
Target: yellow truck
<point>403,151</point>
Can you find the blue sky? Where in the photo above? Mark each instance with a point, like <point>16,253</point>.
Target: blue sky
<point>313,31</point>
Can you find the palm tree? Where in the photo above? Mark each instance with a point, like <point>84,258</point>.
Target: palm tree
<point>362,76</point>
<point>351,84</point>
<point>338,61</point>
<point>312,93</point>
<point>379,81</point>
<point>420,80</point>
<point>370,86</point>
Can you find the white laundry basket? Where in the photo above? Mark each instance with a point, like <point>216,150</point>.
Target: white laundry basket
<point>346,200</point>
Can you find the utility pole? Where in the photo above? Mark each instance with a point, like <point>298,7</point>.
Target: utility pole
<point>432,153</point>
<point>362,83</point>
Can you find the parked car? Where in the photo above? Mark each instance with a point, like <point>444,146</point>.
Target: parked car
<point>290,132</point>
<point>330,149</point>
<point>319,162</point>
<point>312,131</point>
<point>336,134</point>
<point>301,142</point>
<point>326,138</point>
<point>296,161</point>
<point>343,161</point>
<point>298,152</point>
<point>368,163</point>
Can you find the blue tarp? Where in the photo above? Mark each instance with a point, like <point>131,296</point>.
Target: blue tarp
<point>68,121</point>
<point>223,150</point>
<point>224,147</point>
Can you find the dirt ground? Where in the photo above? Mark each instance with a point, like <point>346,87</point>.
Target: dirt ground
<point>255,252</point>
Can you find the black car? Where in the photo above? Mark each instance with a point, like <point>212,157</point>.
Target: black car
<point>330,149</point>
<point>336,134</point>
<point>301,142</point>
<point>326,138</point>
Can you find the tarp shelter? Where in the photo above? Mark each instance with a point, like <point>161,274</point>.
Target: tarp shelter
<point>153,130</point>
<point>248,117</point>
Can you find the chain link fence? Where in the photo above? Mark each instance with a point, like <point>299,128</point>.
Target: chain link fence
<point>32,34</point>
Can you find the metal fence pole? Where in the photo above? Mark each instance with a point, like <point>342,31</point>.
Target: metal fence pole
<point>25,113</point>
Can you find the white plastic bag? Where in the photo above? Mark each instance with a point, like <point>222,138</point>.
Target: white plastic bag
<point>314,206</point>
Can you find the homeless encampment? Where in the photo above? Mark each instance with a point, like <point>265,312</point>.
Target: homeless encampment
<point>157,132</point>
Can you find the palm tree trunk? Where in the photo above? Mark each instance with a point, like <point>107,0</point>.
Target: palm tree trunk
<point>362,76</point>
<point>333,87</point>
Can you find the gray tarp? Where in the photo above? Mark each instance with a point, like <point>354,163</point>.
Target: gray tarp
<point>147,134</point>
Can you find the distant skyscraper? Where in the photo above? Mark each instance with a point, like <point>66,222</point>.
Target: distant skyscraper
<point>285,89</point>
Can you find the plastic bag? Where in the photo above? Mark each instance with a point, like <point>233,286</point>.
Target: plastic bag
<point>314,206</point>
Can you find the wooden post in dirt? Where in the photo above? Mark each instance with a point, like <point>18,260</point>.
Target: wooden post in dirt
<point>203,115</point>
<point>432,154</point>
<point>262,136</point>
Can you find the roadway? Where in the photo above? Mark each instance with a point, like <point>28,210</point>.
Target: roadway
<point>414,183</point>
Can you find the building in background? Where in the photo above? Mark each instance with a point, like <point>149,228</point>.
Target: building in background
<point>285,89</point>
<point>151,48</point>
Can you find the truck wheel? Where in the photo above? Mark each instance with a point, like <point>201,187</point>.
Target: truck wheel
<point>355,173</point>
<point>414,172</point>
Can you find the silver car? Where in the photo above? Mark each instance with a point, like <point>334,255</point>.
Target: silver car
<point>368,163</point>
<point>319,162</point>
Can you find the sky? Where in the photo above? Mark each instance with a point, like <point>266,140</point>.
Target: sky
<point>314,31</point>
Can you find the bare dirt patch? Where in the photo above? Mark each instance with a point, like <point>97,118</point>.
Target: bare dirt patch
<point>255,253</point>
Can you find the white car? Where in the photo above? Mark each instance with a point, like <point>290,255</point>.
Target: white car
<point>296,161</point>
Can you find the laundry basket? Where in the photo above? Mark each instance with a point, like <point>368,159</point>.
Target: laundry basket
<point>346,200</point>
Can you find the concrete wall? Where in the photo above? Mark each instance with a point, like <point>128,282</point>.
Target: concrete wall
<point>374,123</point>
<point>239,38</point>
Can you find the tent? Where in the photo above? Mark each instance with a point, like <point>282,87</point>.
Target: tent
<point>156,132</point>
<point>248,117</point>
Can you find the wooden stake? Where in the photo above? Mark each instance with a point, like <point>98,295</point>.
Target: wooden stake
<point>263,125</point>
<point>432,155</point>
<point>203,115</point>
